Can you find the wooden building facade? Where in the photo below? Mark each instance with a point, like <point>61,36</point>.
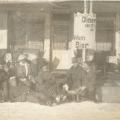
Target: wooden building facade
<point>48,27</point>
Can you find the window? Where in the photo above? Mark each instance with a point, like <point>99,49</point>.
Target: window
<point>36,35</point>
<point>105,32</point>
<point>61,31</point>
<point>29,31</point>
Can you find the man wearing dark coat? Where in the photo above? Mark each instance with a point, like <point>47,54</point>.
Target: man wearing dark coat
<point>76,76</point>
<point>22,88</point>
<point>91,76</point>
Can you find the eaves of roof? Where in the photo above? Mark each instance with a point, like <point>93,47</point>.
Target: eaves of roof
<point>39,1</point>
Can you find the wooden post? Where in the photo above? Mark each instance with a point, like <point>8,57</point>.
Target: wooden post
<point>91,7</point>
<point>117,35</point>
<point>85,6</point>
<point>85,12</point>
<point>47,40</point>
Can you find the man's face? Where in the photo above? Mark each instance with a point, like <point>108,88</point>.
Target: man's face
<point>8,58</point>
<point>1,67</point>
<point>45,68</point>
<point>22,62</point>
<point>80,60</point>
<point>89,57</point>
<point>75,64</point>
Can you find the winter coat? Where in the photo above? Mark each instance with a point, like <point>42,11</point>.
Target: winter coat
<point>91,77</point>
<point>76,77</point>
<point>21,71</point>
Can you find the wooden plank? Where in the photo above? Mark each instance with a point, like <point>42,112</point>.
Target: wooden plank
<point>110,94</point>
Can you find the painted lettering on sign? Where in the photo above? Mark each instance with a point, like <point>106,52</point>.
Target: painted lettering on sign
<point>77,44</point>
<point>85,28</point>
<point>90,26</point>
<point>88,20</point>
<point>77,37</point>
<point>81,45</point>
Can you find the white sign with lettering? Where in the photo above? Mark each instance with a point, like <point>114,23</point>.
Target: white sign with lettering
<point>84,31</point>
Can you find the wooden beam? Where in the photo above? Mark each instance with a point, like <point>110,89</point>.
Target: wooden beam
<point>39,1</point>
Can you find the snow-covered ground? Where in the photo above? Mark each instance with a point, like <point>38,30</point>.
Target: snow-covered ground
<point>69,111</point>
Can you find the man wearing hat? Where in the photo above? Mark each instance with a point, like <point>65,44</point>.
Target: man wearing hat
<point>76,76</point>
<point>22,68</point>
<point>23,79</point>
<point>91,75</point>
<point>3,84</point>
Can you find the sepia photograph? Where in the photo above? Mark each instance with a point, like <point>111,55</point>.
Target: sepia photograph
<point>59,59</point>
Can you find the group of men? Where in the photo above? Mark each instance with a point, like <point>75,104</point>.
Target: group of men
<point>26,81</point>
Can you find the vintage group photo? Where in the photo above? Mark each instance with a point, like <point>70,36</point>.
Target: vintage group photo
<point>59,59</point>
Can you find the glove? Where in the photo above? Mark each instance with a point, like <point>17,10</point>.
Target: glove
<point>65,87</point>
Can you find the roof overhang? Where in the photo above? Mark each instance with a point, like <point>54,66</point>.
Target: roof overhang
<point>39,1</point>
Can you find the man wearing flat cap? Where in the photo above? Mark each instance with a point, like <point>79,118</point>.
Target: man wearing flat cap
<point>23,80</point>
<point>91,75</point>
<point>76,75</point>
<point>22,68</point>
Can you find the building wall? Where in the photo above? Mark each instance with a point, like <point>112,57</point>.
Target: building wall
<point>49,30</point>
<point>105,32</point>
<point>3,30</point>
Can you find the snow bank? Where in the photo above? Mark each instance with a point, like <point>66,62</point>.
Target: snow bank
<point>69,111</point>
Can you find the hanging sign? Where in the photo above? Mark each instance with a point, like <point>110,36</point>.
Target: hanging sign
<point>84,31</point>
